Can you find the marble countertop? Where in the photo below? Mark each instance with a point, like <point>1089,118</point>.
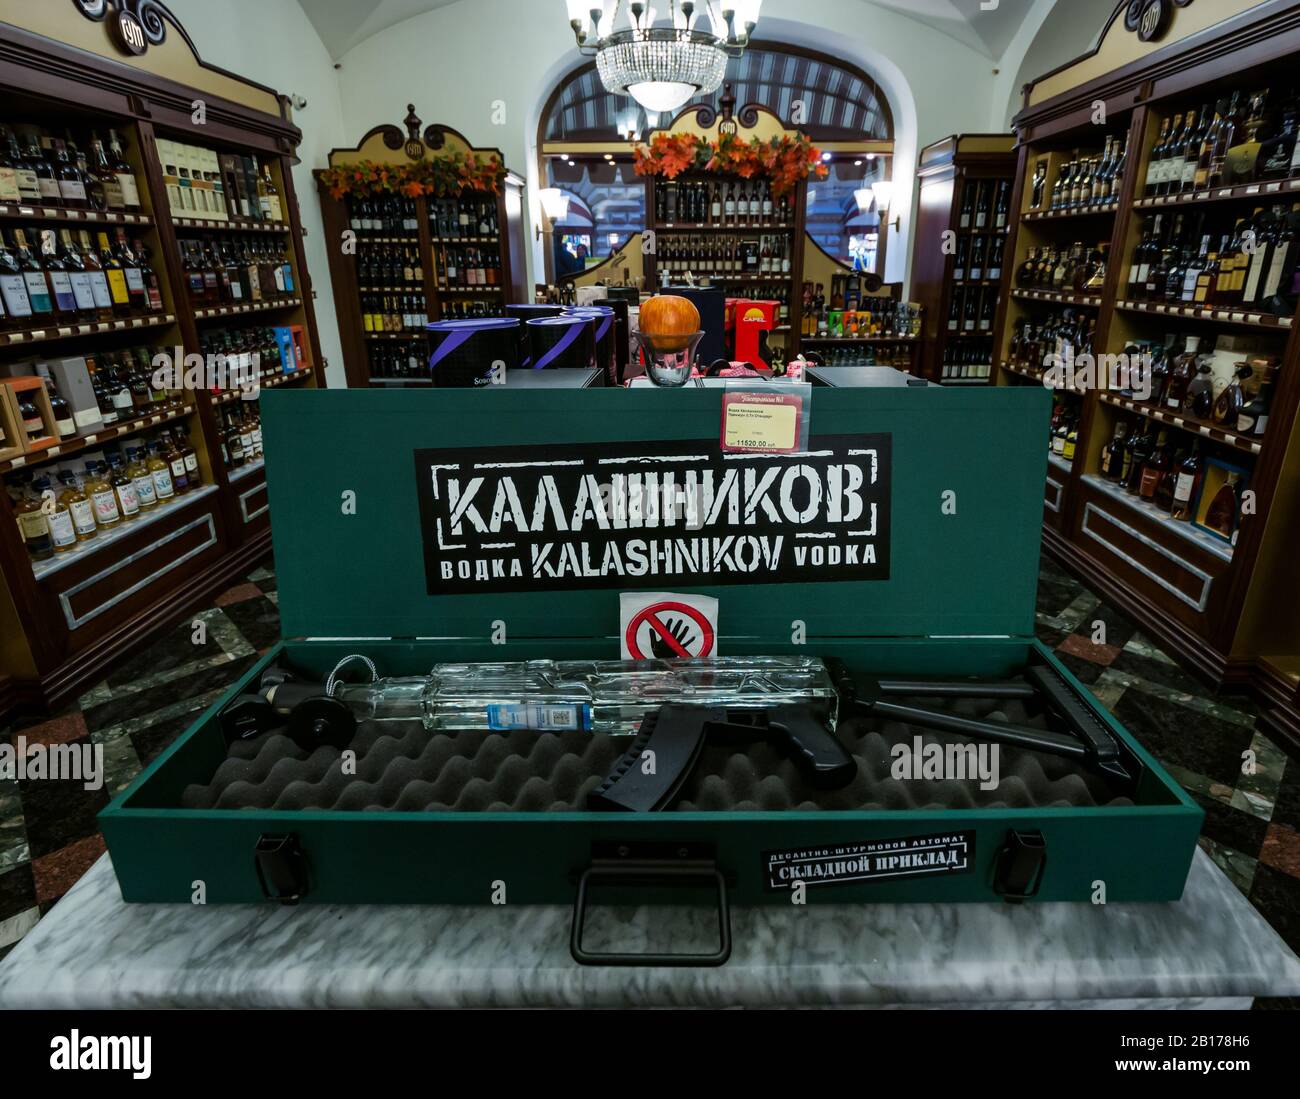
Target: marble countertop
<point>94,951</point>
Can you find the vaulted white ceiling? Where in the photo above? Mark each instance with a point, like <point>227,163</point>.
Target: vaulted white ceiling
<point>343,24</point>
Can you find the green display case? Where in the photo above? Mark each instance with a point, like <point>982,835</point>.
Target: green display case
<point>944,526</point>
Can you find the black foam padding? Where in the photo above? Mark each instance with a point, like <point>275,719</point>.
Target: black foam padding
<point>402,767</point>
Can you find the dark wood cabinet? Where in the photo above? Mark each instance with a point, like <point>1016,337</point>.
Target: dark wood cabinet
<point>66,619</point>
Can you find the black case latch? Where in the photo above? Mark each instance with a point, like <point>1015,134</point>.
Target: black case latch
<point>1020,866</point>
<point>281,867</point>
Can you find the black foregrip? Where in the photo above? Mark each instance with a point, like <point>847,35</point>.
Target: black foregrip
<point>825,762</point>
<point>641,784</point>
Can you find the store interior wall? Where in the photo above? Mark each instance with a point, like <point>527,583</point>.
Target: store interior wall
<point>274,43</point>
<point>486,67</point>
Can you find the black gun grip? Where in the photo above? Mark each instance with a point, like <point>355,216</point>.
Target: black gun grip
<point>675,734</point>
<point>825,762</point>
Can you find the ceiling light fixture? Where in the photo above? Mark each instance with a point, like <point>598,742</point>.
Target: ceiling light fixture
<point>663,67</point>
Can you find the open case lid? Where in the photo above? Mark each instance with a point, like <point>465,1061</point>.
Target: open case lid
<point>438,513</point>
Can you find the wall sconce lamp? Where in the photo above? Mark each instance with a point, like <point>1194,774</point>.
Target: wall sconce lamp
<point>555,208</point>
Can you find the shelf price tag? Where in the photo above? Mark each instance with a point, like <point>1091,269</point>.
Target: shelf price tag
<point>765,420</point>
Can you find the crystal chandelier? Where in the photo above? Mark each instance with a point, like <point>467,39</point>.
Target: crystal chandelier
<point>662,67</point>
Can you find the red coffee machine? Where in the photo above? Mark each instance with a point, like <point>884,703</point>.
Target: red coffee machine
<point>746,320</point>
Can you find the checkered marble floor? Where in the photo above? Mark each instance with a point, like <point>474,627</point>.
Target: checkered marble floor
<point>48,836</point>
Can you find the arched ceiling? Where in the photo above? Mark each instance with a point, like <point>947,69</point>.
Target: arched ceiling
<point>343,24</point>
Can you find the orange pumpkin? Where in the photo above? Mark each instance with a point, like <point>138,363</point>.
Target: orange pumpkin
<point>670,321</point>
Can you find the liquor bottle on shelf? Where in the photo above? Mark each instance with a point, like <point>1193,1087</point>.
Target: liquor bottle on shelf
<point>125,174</point>
<point>1185,475</point>
<point>82,512</point>
<point>1252,420</point>
<point>33,525</point>
<point>115,273</point>
<point>1223,513</point>
<point>160,470</point>
<point>1230,403</point>
<point>102,495</point>
<point>141,478</point>
<point>34,279</point>
<point>1112,456</point>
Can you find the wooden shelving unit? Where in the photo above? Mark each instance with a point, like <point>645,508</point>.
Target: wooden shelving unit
<point>431,242</point>
<point>1227,609</point>
<point>953,174</point>
<point>66,619</point>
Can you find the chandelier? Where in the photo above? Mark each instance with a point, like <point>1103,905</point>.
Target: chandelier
<point>662,67</point>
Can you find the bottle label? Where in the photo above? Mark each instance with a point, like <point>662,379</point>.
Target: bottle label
<point>82,291</point>
<point>1183,487</point>
<point>162,482</point>
<point>9,191</point>
<point>106,506</point>
<point>113,196</point>
<point>14,290</point>
<point>63,295</point>
<point>134,280</point>
<point>117,286</point>
<point>539,717</point>
<point>122,400</point>
<point>191,463</point>
<point>72,190</point>
<point>61,529</point>
<point>49,190</point>
<point>65,428</point>
<point>38,292</point>
<point>129,501</point>
<point>29,185</point>
<point>99,288</point>
<point>178,470</point>
<point>33,525</point>
<point>83,516</point>
<point>144,490</point>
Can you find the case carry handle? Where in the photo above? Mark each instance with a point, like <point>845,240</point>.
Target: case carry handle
<point>655,874</point>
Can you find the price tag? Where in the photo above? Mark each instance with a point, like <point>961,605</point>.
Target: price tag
<point>761,422</point>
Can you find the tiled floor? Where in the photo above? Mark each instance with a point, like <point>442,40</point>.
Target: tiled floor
<point>48,836</point>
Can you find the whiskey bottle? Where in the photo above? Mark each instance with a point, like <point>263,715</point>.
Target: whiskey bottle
<point>43,169</point>
<point>125,174</point>
<point>81,510</point>
<point>34,526</point>
<point>161,472</point>
<point>123,489</point>
<point>65,301</point>
<point>10,193</point>
<point>190,456</point>
<point>34,279</point>
<point>13,289</point>
<point>65,426</point>
<point>142,479</point>
<point>137,295</point>
<point>102,496</point>
<point>115,273</point>
<point>1156,162</point>
<point>1112,458</point>
<point>175,459</point>
<point>268,197</point>
<point>1185,476</point>
<point>75,266</point>
<point>72,188</point>
<point>1038,186</point>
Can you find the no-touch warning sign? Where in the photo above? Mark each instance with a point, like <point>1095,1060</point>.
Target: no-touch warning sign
<point>662,626</point>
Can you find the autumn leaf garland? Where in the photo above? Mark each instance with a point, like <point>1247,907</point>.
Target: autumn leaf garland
<point>784,161</point>
<point>438,176</point>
